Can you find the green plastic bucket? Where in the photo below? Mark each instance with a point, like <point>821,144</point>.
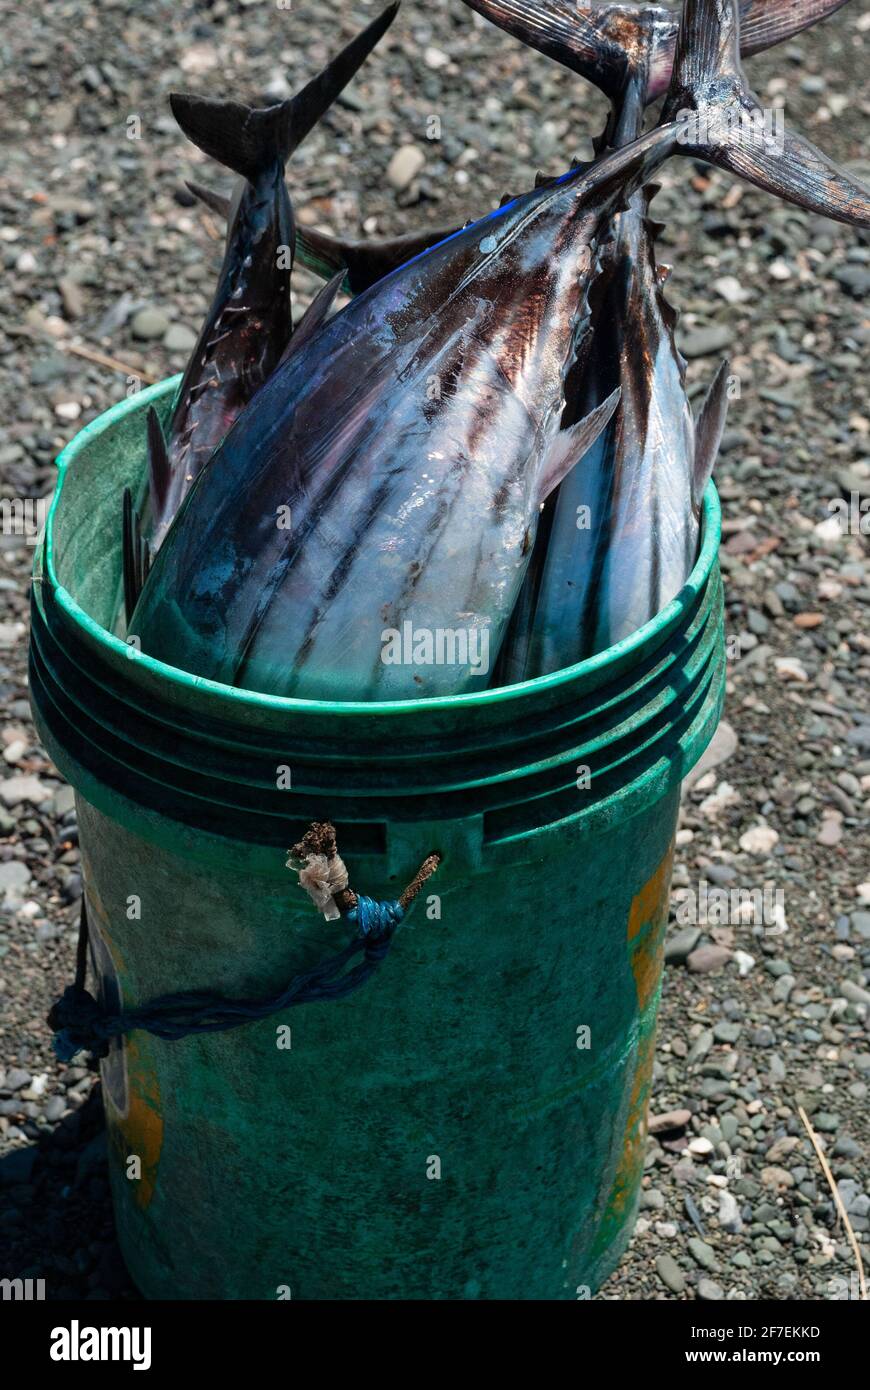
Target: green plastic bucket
<point>469,1123</point>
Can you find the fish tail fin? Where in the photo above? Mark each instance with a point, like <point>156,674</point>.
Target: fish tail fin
<point>611,44</point>
<point>764,23</point>
<point>716,117</point>
<point>606,44</point>
<point>250,140</point>
<point>708,433</point>
<point>316,98</point>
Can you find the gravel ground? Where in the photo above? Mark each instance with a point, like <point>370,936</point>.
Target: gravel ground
<point>102,252</point>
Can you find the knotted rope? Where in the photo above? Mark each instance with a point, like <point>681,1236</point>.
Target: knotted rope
<point>80,1022</point>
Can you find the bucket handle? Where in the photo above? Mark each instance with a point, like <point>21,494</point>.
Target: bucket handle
<point>81,1023</point>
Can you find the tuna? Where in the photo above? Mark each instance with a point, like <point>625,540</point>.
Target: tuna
<point>363,530</point>
<point>249,323</point>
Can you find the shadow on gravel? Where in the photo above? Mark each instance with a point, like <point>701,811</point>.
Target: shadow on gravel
<point>56,1219</point>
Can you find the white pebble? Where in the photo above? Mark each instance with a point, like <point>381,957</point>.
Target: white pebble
<point>759,839</point>
<point>700,1146</point>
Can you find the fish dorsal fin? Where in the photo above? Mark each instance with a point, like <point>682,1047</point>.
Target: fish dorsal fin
<point>571,444</point>
<point>708,432</point>
<point>218,202</point>
<point>314,315</point>
<point>159,470</point>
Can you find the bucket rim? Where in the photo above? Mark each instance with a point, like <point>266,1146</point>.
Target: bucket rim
<point>668,617</point>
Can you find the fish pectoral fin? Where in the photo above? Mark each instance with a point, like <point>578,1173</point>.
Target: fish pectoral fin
<point>570,445</point>
<point>314,316</point>
<point>218,202</point>
<point>708,433</point>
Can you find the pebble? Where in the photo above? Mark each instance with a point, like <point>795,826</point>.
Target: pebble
<point>706,959</point>
<point>730,1219</point>
<point>703,1254</point>
<point>14,790</point>
<point>180,338</point>
<point>709,1291</point>
<point>672,1119</point>
<point>789,668</point>
<point>760,839</point>
<point>670,1273</point>
<point>731,289</point>
<point>407,162</point>
<point>700,1146</point>
<point>703,342</point>
<point>71,296</point>
<point>860,922</point>
<point>831,832</point>
<point>726,1032</point>
<point>680,945</point>
<point>149,323</point>
<point>14,874</point>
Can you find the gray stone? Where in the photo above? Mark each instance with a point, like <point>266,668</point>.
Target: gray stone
<point>854,993</point>
<point>179,338</point>
<point>149,323</point>
<point>702,1253</point>
<point>670,1273</point>
<point>709,1291</point>
<point>63,802</point>
<point>681,945</point>
<point>861,924</point>
<point>14,874</point>
<point>703,342</point>
<point>54,1109</point>
<point>726,1032</point>
<point>14,790</point>
<point>706,959</point>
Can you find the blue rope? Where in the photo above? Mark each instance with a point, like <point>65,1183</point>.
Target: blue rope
<point>80,1022</point>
